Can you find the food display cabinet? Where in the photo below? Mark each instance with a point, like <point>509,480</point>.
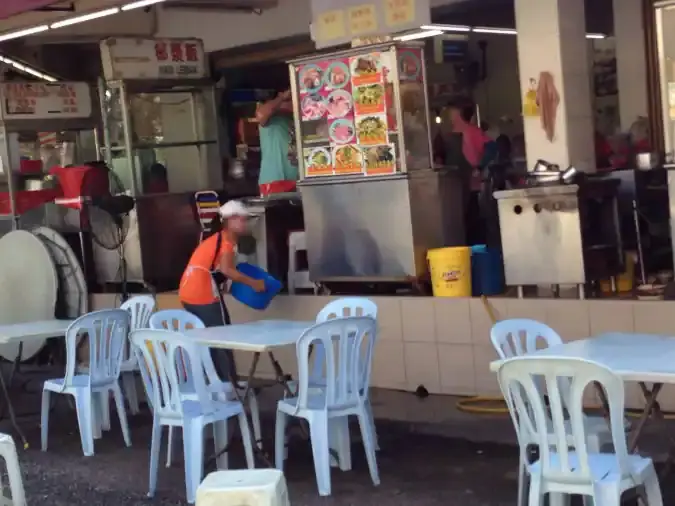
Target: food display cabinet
<point>373,202</point>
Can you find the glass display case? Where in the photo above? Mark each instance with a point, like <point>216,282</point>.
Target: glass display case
<point>373,202</point>
<point>162,137</point>
<point>362,111</point>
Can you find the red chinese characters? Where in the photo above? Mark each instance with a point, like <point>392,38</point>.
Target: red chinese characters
<point>191,52</point>
<point>177,52</point>
<point>161,51</point>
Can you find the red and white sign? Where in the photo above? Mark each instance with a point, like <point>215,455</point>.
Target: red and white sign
<point>10,8</point>
<point>153,59</point>
<point>45,100</point>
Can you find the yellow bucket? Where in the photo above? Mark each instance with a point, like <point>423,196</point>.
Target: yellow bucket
<point>450,271</point>
<point>624,282</point>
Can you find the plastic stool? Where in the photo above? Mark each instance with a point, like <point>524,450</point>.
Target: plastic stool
<point>246,487</point>
<point>8,452</point>
<point>297,279</point>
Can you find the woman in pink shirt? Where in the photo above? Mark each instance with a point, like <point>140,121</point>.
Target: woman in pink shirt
<point>462,111</point>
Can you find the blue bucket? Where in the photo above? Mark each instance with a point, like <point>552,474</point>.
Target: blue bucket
<point>247,295</point>
<point>487,271</point>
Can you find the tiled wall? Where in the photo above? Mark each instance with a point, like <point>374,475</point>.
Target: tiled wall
<point>444,344</point>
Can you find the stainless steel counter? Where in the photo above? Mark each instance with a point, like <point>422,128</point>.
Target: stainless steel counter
<point>379,228</point>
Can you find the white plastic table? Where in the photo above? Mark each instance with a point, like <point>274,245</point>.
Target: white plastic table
<point>258,337</point>
<point>19,333</point>
<point>642,358</point>
<point>263,336</point>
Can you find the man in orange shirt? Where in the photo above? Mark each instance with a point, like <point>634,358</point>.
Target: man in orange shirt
<point>211,263</point>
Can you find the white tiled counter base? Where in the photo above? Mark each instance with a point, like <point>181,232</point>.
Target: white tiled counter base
<point>444,344</point>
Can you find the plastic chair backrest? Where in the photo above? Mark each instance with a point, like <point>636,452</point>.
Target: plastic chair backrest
<point>534,421</point>
<point>517,337</point>
<point>159,354</point>
<point>340,308</point>
<point>179,320</point>
<point>207,204</point>
<point>140,308</point>
<point>348,345</point>
<point>107,332</point>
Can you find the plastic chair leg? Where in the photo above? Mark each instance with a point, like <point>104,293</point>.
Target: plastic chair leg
<point>14,474</point>
<point>169,449</point>
<point>280,440</point>
<point>104,406</point>
<point>155,448</point>
<point>255,418</point>
<point>130,392</point>
<point>96,416</point>
<point>221,439</point>
<point>44,419</point>
<point>369,446</point>
<point>522,483</point>
<point>246,439</point>
<point>369,413</point>
<point>340,442</point>
<point>121,413</point>
<point>193,455</point>
<point>318,433</point>
<point>652,488</point>
<point>85,420</point>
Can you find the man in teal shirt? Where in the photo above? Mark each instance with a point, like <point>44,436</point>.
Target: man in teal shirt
<point>279,164</point>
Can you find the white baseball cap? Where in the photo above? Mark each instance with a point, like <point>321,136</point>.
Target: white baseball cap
<point>233,208</point>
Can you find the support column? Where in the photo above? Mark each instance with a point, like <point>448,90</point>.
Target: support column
<point>552,38</point>
<point>631,63</point>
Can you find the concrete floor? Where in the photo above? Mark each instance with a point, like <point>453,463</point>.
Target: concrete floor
<point>431,455</point>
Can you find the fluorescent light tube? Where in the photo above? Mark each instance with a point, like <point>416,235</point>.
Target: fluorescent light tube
<point>85,17</point>
<point>23,33</point>
<point>418,35</point>
<point>140,3</point>
<point>497,31</point>
<point>447,28</point>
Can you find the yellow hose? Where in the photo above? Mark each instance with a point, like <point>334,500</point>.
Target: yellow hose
<point>484,405</point>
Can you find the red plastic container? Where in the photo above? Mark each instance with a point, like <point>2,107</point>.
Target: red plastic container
<point>83,181</point>
<point>27,200</point>
<point>30,166</point>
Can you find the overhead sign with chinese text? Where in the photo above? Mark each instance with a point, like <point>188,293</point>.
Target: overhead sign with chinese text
<point>153,59</point>
<point>336,22</point>
<point>34,100</point>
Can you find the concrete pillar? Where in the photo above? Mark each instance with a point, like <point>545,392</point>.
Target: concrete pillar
<point>552,38</point>
<point>630,61</point>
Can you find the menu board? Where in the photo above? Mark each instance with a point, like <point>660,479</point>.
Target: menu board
<point>348,115</point>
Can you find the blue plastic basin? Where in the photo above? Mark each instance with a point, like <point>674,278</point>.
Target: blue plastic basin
<point>247,295</point>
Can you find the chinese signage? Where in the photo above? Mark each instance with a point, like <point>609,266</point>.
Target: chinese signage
<point>336,22</point>
<point>45,100</point>
<point>10,8</point>
<point>348,121</point>
<point>127,58</point>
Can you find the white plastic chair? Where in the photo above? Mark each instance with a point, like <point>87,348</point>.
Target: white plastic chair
<point>140,308</point>
<point>339,433</point>
<point>107,332</point>
<point>519,337</point>
<point>180,320</point>
<point>247,487</point>
<point>8,453</point>
<point>566,466</point>
<point>164,358</point>
<point>344,341</point>
<point>297,279</point>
